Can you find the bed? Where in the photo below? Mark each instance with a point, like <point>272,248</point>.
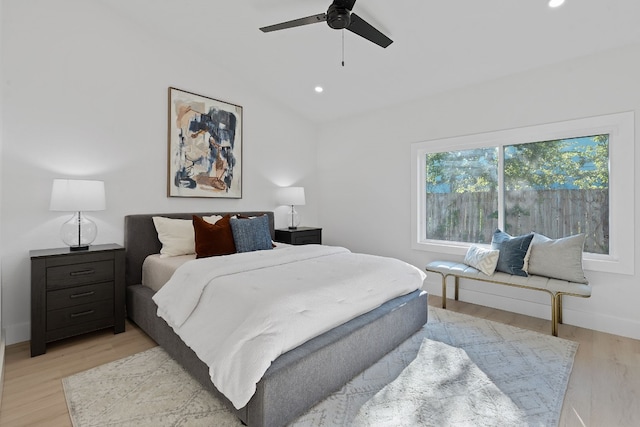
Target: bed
<point>297,379</point>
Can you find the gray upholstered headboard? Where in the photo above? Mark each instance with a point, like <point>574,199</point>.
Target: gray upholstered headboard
<point>141,238</point>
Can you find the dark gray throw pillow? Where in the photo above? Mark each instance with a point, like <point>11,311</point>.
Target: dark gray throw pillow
<point>251,234</point>
<point>513,251</point>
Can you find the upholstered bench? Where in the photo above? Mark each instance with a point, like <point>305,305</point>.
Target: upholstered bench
<point>555,287</point>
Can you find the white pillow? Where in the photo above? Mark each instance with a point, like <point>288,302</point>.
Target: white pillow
<point>212,219</point>
<point>483,259</point>
<point>177,236</point>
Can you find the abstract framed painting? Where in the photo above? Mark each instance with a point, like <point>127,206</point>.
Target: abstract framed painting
<point>205,147</point>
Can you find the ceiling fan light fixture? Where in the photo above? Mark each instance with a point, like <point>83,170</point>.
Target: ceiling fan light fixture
<point>318,89</point>
<point>338,17</point>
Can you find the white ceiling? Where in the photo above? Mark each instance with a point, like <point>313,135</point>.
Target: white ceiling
<point>437,46</point>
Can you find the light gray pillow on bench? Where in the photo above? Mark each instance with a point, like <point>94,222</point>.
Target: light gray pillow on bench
<point>557,258</point>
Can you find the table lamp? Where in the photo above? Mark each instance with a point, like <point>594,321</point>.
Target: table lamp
<point>292,196</point>
<point>78,195</point>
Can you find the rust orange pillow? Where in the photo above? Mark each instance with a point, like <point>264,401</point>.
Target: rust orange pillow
<point>213,239</point>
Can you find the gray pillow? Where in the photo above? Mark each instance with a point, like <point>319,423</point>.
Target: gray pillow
<point>251,234</point>
<point>513,251</point>
<point>558,258</point>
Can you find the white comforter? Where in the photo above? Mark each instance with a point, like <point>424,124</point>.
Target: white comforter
<point>240,312</point>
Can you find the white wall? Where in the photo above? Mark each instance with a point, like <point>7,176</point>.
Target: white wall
<point>369,156</point>
<point>85,95</point>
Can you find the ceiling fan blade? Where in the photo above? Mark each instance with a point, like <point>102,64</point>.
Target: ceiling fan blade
<point>362,28</point>
<point>322,17</point>
<point>347,4</point>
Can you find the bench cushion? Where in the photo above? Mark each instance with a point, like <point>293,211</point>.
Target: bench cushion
<point>532,281</point>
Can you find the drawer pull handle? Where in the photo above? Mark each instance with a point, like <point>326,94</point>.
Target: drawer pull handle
<point>83,272</point>
<point>83,294</point>
<point>82,313</point>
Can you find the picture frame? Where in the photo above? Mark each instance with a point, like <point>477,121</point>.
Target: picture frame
<point>204,147</point>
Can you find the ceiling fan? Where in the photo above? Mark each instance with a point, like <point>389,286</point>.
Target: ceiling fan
<point>338,17</point>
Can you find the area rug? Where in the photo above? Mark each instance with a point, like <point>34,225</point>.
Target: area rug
<point>457,370</point>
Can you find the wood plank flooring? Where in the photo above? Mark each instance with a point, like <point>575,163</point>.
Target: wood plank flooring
<point>604,389</point>
<point>33,394</point>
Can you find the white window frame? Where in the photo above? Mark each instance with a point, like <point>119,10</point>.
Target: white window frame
<point>620,128</point>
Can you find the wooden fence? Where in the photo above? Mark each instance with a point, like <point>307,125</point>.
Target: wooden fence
<point>473,217</point>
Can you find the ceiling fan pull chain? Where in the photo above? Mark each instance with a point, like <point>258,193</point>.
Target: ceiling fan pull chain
<point>343,47</point>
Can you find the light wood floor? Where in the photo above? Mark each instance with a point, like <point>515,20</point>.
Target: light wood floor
<point>604,389</point>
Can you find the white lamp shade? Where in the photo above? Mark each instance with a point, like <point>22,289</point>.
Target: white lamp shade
<point>291,196</point>
<point>75,195</point>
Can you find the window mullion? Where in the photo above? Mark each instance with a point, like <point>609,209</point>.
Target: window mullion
<point>500,149</point>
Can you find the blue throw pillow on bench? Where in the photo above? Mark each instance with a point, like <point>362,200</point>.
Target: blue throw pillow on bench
<point>513,251</point>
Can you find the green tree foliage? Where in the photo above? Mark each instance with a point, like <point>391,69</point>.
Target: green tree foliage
<point>578,163</point>
<point>462,171</point>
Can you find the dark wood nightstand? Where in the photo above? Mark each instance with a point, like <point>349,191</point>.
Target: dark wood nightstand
<point>75,292</point>
<point>299,236</point>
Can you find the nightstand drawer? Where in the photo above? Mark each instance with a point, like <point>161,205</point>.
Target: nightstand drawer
<point>65,276</point>
<point>299,236</point>
<point>79,314</point>
<point>78,295</point>
<point>306,237</point>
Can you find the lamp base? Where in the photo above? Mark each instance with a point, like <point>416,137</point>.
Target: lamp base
<point>294,219</point>
<point>78,232</point>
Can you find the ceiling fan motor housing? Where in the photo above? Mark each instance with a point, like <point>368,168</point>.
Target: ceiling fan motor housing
<point>338,17</point>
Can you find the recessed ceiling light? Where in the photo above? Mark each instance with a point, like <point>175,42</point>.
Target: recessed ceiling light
<point>319,89</point>
<point>555,3</point>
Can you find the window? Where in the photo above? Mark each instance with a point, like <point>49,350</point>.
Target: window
<point>559,188</point>
<point>461,202</point>
<point>554,179</point>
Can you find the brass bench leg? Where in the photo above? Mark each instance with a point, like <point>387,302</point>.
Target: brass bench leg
<point>456,288</point>
<point>559,296</point>
<point>554,315</point>
<point>444,291</point>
